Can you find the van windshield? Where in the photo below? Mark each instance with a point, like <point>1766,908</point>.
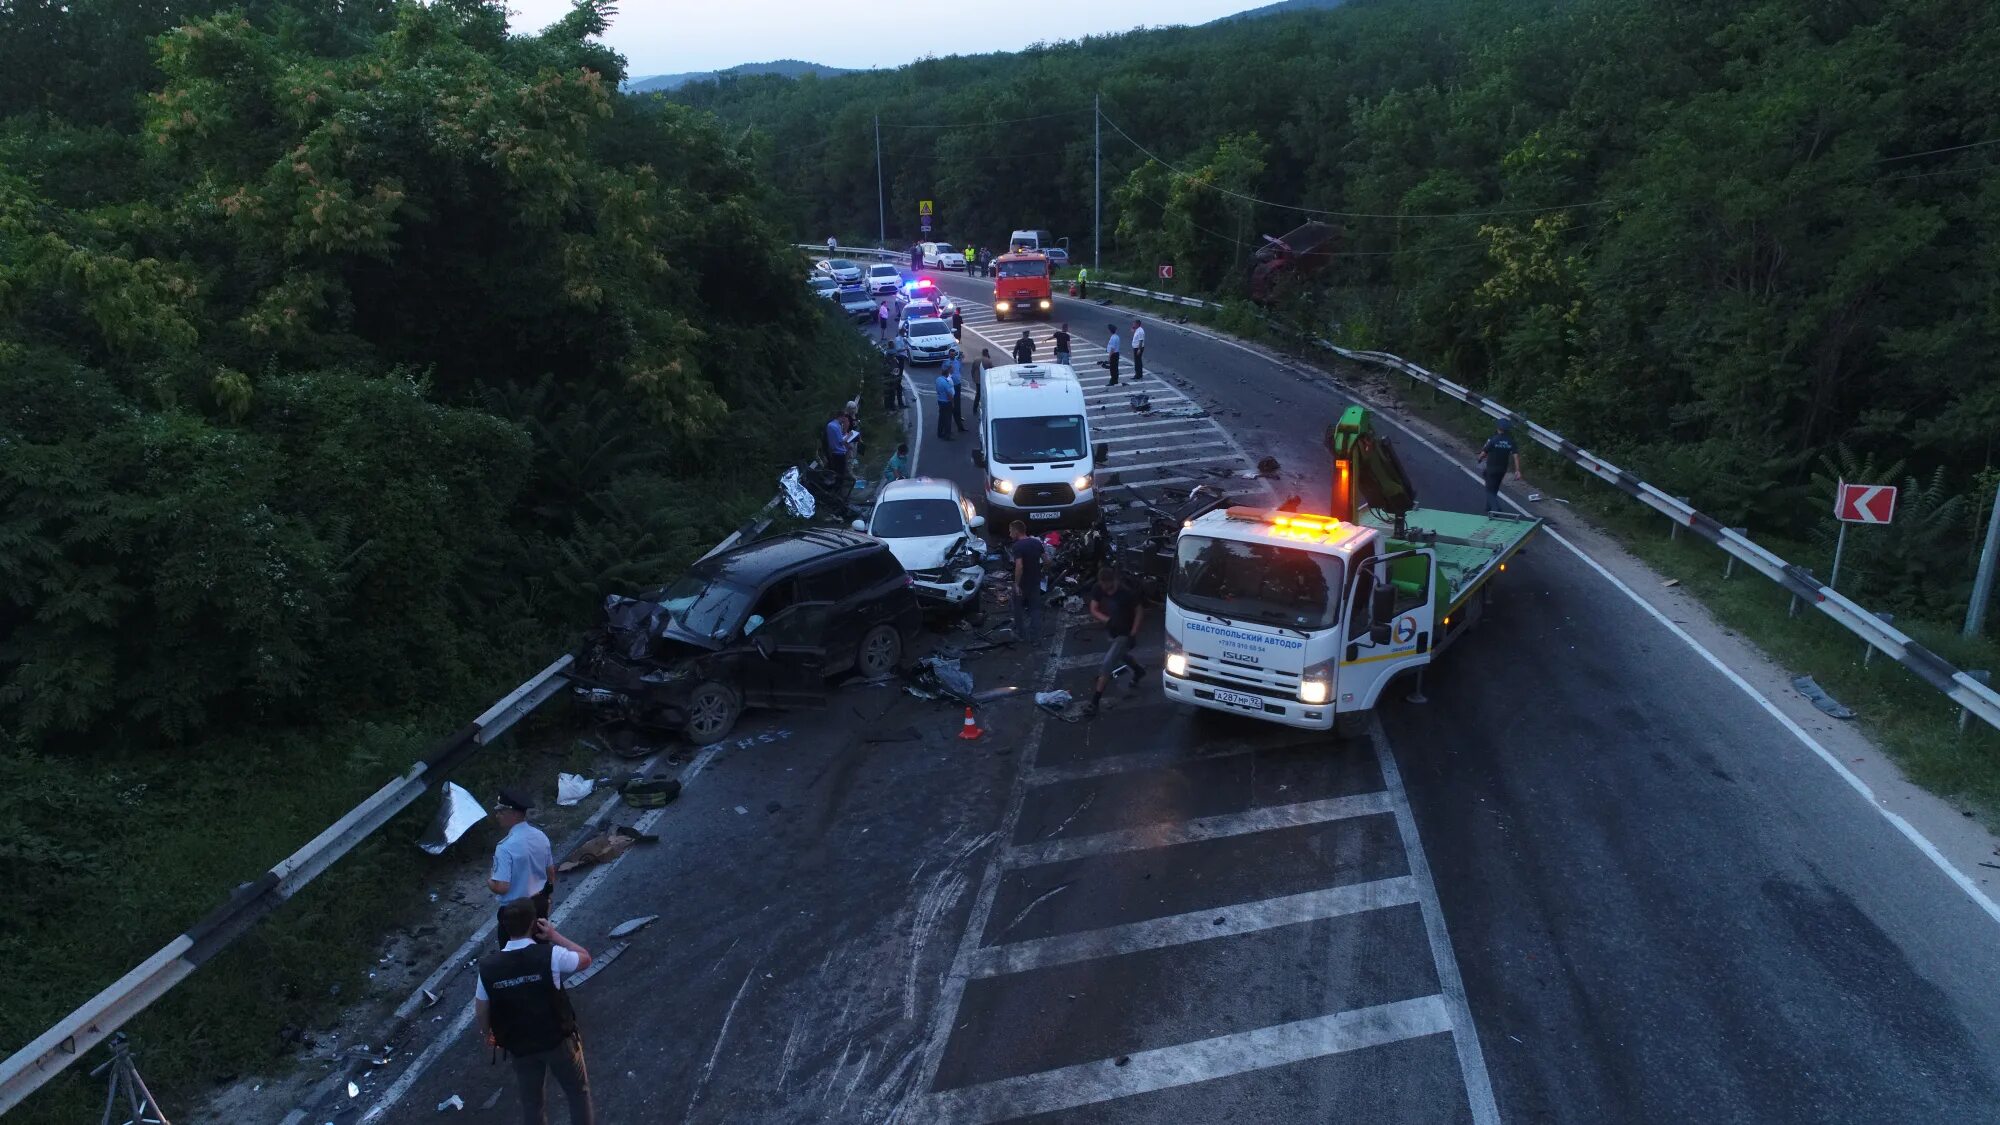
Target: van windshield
<point>1258,582</point>
<point>1031,267</point>
<point>707,607</point>
<point>1037,441</point>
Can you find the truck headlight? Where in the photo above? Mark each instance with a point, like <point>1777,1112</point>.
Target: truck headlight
<point>1316,683</point>
<point>1082,483</point>
<point>1001,306</point>
<point>1003,486</point>
<point>1044,306</point>
<point>1177,664</point>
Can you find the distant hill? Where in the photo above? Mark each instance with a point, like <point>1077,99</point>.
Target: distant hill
<point>1282,7</point>
<point>790,68</point>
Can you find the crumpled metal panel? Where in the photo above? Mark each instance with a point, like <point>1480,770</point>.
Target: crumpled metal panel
<point>457,813</point>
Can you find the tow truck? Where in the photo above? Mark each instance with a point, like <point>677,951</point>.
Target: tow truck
<point>1304,619</point>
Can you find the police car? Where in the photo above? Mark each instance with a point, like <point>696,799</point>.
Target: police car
<point>931,340</point>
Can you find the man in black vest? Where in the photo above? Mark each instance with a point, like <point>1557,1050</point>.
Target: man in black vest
<point>524,1011</point>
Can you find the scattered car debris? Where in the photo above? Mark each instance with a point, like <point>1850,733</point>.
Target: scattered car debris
<point>798,500</point>
<point>1267,466</point>
<point>1140,402</point>
<point>452,1102</point>
<point>1671,583</point>
<point>597,965</point>
<point>571,788</point>
<point>605,847</point>
<point>742,810</point>
<point>633,925</point>
<point>1057,698</point>
<point>1808,687</point>
<point>650,792</point>
<point>353,1091</point>
<point>458,812</point>
<point>493,1098</point>
<point>430,998</point>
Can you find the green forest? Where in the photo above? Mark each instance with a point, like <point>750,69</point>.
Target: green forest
<point>1744,248</point>
<point>349,354</point>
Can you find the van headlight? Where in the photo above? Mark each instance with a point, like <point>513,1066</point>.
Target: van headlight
<point>1003,486</point>
<point>1082,483</point>
<point>1316,683</point>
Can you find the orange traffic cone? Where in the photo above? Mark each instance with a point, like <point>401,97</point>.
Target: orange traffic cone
<point>970,730</point>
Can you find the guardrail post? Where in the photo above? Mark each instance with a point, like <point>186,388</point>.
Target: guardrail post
<point>1674,532</point>
<point>1984,677</point>
<point>1868,651</point>
<point>1729,565</point>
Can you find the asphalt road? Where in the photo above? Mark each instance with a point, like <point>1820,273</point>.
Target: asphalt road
<point>1589,880</point>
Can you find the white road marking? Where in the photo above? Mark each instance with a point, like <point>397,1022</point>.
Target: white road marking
<point>1451,986</point>
<point>1218,827</point>
<point>1195,926</point>
<point>1116,426</point>
<point>1169,447</point>
<point>1115,467</point>
<point>1146,1071</point>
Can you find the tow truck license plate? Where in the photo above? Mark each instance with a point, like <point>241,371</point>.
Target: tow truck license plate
<point>1239,699</point>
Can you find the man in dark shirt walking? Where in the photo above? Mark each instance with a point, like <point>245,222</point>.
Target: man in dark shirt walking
<point>524,1011</point>
<point>1027,552</point>
<point>1062,344</point>
<point>1498,454</point>
<point>1024,348</point>
<point>1118,606</point>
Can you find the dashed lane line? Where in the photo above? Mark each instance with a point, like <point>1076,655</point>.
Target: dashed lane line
<point>1261,819</point>
<point>1144,1072</point>
<point>1211,924</point>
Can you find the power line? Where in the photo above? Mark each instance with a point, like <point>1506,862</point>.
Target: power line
<point>1937,151</point>
<point>1186,175</point>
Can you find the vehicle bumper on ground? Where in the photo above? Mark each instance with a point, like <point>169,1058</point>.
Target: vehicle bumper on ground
<point>1251,705</point>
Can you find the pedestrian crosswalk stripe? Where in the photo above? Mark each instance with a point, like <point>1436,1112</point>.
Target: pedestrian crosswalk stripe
<point>1261,819</point>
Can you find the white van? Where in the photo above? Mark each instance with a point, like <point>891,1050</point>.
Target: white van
<point>1035,448</point>
<point>1030,241</point>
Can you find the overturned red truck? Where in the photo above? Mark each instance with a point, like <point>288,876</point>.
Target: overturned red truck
<point>1281,262</point>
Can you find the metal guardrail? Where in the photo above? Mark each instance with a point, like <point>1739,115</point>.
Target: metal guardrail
<point>1957,684</point>
<point>24,1072</point>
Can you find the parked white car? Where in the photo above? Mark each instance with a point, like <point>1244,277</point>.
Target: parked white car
<point>929,526</point>
<point>937,255</point>
<point>884,279</point>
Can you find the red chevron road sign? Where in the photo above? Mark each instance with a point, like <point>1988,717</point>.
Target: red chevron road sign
<point>1865,503</point>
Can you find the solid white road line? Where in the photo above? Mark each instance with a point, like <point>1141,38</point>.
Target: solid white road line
<point>952,989</point>
<point>1199,925</point>
<point>1156,422</point>
<point>1146,1071</point>
<point>1451,986</point>
<point>1218,827</point>
<point>1169,447</point>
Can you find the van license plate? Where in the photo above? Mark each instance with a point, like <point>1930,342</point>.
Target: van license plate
<point>1043,515</point>
<point>1239,699</point>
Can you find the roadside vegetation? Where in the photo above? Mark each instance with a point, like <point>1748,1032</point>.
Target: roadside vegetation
<point>349,355</point>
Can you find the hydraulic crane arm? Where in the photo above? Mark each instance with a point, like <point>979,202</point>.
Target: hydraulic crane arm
<point>1366,471</point>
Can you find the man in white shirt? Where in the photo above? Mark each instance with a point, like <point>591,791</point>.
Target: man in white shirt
<point>524,1011</point>
<point>1138,349</point>
<point>1111,354</point>
<point>524,865</point>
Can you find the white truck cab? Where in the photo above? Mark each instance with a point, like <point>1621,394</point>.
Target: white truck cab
<point>1292,618</point>
<point>1035,448</point>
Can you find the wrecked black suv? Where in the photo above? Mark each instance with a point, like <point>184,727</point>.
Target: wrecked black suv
<point>762,625</point>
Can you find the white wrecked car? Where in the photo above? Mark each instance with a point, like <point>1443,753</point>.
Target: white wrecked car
<point>930,528</point>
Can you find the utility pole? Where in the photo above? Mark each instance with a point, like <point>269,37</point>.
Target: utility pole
<point>1982,586</point>
<point>1096,182</point>
<point>881,201</point>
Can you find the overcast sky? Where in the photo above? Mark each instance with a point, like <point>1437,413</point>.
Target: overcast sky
<point>670,36</point>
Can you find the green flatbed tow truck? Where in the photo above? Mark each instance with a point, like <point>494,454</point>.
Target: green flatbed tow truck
<point>1305,619</point>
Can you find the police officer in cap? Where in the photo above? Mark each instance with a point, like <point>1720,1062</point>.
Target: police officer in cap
<point>524,866</point>
<point>524,1011</point>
